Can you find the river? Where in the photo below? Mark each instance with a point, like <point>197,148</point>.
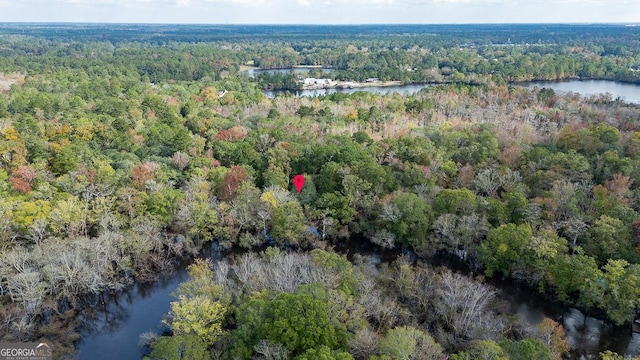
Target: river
<point>588,336</point>
<point>116,332</point>
<point>627,92</point>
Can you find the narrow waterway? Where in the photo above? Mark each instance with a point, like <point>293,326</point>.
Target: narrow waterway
<point>115,333</point>
<point>588,336</point>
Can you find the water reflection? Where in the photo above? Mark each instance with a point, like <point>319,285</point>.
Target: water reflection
<point>589,336</point>
<point>627,92</point>
<point>112,329</point>
<point>115,325</point>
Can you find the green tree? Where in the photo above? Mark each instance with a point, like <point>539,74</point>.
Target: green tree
<point>198,316</point>
<point>298,321</point>
<point>525,349</point>
<point>621,297</point>
<point>324,353</point>
<point>178,347</point>
<point>26,212</point>
<point>162,205</point>
<point>287,223</point>
<point>503,247</point>
<point>406,342</point>
<point>455,201</point>
<point>481,350</point>
<point>69,217</point>
<point>610,239</point>
<point>408,217</point>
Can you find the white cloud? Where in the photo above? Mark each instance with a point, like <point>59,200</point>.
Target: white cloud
<point>237,2</point>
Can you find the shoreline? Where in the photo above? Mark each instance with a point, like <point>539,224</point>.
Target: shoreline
<point>352,84</point>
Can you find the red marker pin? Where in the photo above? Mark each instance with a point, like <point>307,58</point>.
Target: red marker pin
<point>298,181</point>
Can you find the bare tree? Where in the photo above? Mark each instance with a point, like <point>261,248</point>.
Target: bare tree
<point>267,350</point>
<point>487,182</point>
<point>180,160</point>
<point>28,289</point>
<point>445,226</point>
<point>464,305</point>
<point>37,231</point>
<point>574,227</point>
<point>384,239</point>
<point>364,344</point>
<point>391,213</point>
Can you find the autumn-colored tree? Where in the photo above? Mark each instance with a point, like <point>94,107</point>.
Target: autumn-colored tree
<point>141,173</point>
<point>619,186</point>
<point>231,182</point>
<point>552,336</point>
<point>635,230</point>
<point>23,178</point>
<point>233,134</point>
<point>512,157</point>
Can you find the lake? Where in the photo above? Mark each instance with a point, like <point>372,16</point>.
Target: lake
<point>627,92</point>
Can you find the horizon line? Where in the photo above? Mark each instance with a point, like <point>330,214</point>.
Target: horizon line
<point>310,24</point>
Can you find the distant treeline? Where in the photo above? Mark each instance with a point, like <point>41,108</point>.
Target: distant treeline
<point>408,53</point>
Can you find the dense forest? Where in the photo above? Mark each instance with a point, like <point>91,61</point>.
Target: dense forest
<point>127,149</point>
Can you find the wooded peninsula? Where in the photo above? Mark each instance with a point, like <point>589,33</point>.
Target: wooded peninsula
<point>127,150</point>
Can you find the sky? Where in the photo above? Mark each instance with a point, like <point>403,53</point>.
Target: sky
<point>322,11</point>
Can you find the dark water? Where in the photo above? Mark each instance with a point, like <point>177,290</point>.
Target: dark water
<point>115,328</point>
<point>588,336</point>
<point>116,331</point>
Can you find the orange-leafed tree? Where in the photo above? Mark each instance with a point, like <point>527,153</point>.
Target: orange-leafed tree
<point>231,182</point>
<point>141,173</point>
<point>23,178</point>
<point>232,134</point>
<point>552,335</point>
